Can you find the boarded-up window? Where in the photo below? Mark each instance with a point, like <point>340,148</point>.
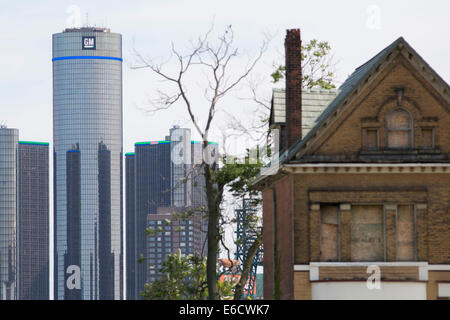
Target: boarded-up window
<point>399,125</point>
<point>405,233</point>
<point>367,241</point>
<point>427,138</point>
<point>329,233</point>
<point>371,139</point>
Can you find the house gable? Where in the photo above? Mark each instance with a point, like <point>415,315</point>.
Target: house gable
<point>354,126</point>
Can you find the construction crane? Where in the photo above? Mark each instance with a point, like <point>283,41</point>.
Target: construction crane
<point>246,234</point>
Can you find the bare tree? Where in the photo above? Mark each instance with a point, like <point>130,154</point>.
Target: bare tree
<point>318,71</point>
<point>213,59</point>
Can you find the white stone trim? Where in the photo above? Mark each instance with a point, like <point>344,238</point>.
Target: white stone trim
<point>439,267</point>
<point>443,290</point>
<point>314,273</point>
<point>423,267</point>
<point>358,290</point>
<point>307,267</point>
<point>355,168</point>
<point>369,263</point>
<point>301,267</point>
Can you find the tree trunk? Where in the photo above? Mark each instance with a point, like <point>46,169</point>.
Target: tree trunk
<point>212,234</point>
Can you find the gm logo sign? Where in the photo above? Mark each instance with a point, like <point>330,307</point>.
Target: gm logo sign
<point>88,43</point>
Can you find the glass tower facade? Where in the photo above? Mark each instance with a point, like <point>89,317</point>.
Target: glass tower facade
<point>180,157</point>
<point>130,225</point>
<point>163,177</point>
<point>32,220</point>
<point>152,190</point>
<point>87,135</point>
<point>8,195</point>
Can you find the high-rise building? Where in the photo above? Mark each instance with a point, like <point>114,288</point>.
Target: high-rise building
<point>151,189</point>
<point>32,221</point>
<point>161,177</point>
<point>180,162</point>
<point>8,195</point>
<point>130,224</point>
<point>87,133</point>
<point>185,232</point>
<point>24,213</point>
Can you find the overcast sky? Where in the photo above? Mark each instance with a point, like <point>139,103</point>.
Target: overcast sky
<point>356,30</point>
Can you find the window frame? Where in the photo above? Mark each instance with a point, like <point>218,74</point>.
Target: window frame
<point>410,129</point>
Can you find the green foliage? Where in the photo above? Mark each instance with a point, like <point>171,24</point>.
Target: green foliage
<point>141,259</point>
<point>239,176</point>
<point>153,231</point>
<point>279,73</point>
<point>316,66</point>
<point>184,279</point>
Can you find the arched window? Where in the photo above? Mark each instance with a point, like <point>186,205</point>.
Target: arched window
<point>399,128</point>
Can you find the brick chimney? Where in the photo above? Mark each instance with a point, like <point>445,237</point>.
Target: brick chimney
<point>292,45</point>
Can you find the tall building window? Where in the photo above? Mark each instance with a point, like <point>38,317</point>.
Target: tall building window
<point>399,128</point>
<point>329,237</point>
<point>405,233</point>
<point>367,242</point>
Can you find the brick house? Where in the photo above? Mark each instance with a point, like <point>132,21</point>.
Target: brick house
<point>363,183</point>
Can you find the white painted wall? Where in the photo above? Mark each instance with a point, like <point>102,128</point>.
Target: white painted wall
<point>443,290</point>
<point>358,290</point>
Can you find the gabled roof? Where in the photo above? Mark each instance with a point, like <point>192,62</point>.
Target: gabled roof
<point>352,82</point>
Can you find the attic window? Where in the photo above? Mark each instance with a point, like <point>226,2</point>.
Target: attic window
<point>370,137</point>
<point>399,125</point>
<point>427,138</point>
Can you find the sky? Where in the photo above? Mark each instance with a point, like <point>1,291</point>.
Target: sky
<point>355,29</point>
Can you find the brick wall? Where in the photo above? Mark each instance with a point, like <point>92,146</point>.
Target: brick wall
<point>358,273</point>
<point>302,286</point>
<point>433,223</point>
<point>343,142</point>
<point>433,278</point>
<point>344,136</point>
<point>283,193</point>
<point>268,243</point>
<point>293,86</point>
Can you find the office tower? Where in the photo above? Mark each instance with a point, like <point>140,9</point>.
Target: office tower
<point>152,189</point>
<point>8,160</point>
<point>162,177</point>
<point>180,157</point>
<point>130,224</point>
<point>185,233</point>
<point>87,133</point>
<point>32,221</point>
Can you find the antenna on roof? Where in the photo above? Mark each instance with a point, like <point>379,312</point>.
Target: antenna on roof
<point>87,19</point>
<point>3,124</point>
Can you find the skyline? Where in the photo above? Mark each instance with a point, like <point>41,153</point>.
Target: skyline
<point>152,35</point>
<point>354,32</point>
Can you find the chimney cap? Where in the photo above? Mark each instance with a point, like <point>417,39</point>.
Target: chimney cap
<point>293,32</point>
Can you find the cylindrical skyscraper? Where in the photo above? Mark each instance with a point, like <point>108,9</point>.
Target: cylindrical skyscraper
<point>87,137</point>
<point>8,197</point>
